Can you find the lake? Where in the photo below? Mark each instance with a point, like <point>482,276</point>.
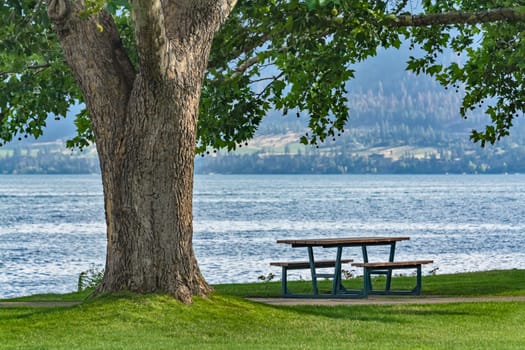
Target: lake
<point>52,227</point>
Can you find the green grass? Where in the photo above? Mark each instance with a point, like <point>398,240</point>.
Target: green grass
<point>76,296</point>
<point>227,321</point>
<point>507,282</point>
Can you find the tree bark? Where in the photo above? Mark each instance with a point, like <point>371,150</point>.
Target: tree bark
<point>145,124</point>
<point>514,14</point>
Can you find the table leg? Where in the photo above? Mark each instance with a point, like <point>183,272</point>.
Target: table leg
<point>389,273</point>
<point>337,285</point>
<point>365,253</point>
<point>392,251</point>
<point>284,283</point>
<point>418,281</point>
<point>312,270</point>
<point>367,280</point>
<point>367,283</point>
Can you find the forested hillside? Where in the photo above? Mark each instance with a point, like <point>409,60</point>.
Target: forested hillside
<point>399,123</point>
<point>47,158</point>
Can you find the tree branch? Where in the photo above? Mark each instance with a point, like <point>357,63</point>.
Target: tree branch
<point>255,81</point>
<point>243,67</point>
<point>274,79</point>
<point>187,25</point>
<point>39,67</point>
<point>93,49</point>
<point>150,36</point>
<point>58,10</point>
<point>511,14</point>
<point>226,7</point>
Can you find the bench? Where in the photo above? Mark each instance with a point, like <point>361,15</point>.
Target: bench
<point>387,268</point>
<point>302,265</point>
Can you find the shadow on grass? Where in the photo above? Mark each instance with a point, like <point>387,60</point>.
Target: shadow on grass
<point>20,313</point>
<point>373,313</point>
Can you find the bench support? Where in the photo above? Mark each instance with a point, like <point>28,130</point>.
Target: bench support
<point>386,268</point>
<point>313,271</point>
<point>304,265</point>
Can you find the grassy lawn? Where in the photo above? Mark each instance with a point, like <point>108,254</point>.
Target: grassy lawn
<point>509,282</point>
<point>227,321</point>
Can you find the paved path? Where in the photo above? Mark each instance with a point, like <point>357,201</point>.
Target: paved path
<point>4,304</point>
<point>378,300</point>
<point>372,300</point>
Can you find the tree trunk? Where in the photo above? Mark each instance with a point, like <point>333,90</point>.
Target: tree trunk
<point>145,126</point>
<point>148,185</point>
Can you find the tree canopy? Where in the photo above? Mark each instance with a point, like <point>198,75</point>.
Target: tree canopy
<point>295,56</point>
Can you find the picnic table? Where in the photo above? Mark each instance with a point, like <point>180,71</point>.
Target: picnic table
<point>338,289</point>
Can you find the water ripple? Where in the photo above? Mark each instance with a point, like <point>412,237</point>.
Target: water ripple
<point>52,227</point>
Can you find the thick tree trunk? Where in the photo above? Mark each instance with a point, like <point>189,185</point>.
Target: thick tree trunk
<point>145,129</point>
<point>148,186</point>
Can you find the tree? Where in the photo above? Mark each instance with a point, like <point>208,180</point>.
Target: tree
<point>146,72</point>
<point>143,119</point>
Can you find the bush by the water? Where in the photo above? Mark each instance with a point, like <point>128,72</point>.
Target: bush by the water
<point>90,278</point>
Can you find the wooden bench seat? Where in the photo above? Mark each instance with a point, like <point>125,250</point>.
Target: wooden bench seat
<point>302,265</point>
<point>296,265</point>
<point>387,268</point>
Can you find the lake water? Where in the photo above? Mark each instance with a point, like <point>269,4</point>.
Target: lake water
<point>52,227</point>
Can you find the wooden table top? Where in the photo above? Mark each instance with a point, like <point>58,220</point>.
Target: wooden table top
<point>344,241</point>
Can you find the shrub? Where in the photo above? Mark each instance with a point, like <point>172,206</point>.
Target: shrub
<point>90,278</point>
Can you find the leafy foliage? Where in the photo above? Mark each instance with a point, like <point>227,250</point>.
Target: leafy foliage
<point>294,56</point>
<point>489,66</point>
<point>89,279</point>
<point>34,80</point>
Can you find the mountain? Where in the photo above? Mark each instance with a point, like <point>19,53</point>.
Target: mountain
<point>399,123</point>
